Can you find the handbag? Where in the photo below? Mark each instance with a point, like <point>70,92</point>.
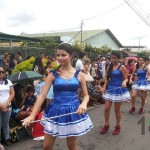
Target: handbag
<point>19,133</point>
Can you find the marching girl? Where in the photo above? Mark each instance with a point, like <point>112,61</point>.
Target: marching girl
<point>66,81</point>
<point>141,84</point>
<point>114,91</point>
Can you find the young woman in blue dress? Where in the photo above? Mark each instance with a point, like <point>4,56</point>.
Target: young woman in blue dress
<point>141,84</point>
<point>114,91</point>
<point>66,82</point>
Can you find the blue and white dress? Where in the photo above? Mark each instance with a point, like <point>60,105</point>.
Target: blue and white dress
<point>65,101</point>
<point>141,83</point>
<point>114,90</point>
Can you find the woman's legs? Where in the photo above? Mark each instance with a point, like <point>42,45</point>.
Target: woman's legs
<point>49,141</point>
<point>143,98</point>
<point>5,124</point>
<point>107,114</point>
<point>71,142</point>
<point>134,95</point>
<point>117,107</point>
<point>107,111</point>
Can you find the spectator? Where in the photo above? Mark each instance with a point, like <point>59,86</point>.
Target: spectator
<point>12,63</point>
<point>38,65</point>
<point>93,93</point>
<point>30,98</point>
<point>39,68</point>
<point>99,67</point>
<point>18,57</point>
<point>87,75</point>
<point>6,96</point>
<point>130,67</point>
<point>79,64</point>
<point>17,104</point>
<point>74,60</point>
<point>93,69</point>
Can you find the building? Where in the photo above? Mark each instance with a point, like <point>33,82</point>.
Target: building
<point>95,38</point>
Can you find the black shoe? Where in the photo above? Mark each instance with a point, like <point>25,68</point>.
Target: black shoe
<point>7,142</point>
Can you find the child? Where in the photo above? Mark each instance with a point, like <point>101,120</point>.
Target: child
<point>30,99</point>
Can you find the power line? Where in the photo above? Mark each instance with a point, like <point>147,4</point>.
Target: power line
<point>103,13</point>
<point>136,10</point>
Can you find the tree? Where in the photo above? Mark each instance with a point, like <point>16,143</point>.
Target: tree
<point>143,53</point>
<point>105,50</point>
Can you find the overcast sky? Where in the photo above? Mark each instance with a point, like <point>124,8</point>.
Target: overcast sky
<point>36,16</point>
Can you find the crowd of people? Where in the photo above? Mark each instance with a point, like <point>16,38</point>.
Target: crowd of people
<point>70,88</point>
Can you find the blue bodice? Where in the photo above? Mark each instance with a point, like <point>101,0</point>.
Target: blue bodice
<point>65,90</point>
<point>116,78</point>
<point>141,74</point>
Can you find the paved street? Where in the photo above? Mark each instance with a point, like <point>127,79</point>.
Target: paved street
<point>132,136</point>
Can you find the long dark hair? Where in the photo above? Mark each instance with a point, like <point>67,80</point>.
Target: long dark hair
<point>144,58</point>
<point>110,67</point>
<point>19,94</point>
<point>130,61</point>
<point>38,62</point>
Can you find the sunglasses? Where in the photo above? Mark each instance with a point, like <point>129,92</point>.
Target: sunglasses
<point>1,72</point>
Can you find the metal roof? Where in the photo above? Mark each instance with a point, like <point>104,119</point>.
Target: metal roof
<point>76,35</point>
<point>16,38</point>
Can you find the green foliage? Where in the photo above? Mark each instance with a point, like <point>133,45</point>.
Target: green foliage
<point>54,65</point>
<point>24,66</point>
<point>105,49</point>
<point>89,48</point>
<point>46,42</point>
<point>78,46</point>
<point>143,54</point>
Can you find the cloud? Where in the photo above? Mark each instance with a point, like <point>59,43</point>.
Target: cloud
<point>2,4</point>
<point>22,18</point>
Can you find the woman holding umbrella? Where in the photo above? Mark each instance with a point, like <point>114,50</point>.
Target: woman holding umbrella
<point>66,81</point>
<point>6,96</point>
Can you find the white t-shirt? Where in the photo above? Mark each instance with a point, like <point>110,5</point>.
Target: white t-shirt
<point>103,68</point>
<point>5,91</point>
<point>79,65</point>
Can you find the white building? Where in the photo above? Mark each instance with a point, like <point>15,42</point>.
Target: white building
<point>95,38</point>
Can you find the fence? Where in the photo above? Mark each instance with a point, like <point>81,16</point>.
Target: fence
<point>35,51</point>
<point>27,51</point>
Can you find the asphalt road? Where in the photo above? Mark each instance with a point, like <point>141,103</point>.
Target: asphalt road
<point>135,132</point>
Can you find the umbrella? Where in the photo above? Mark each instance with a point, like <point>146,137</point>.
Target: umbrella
<point>132,57</point>
<point>24,76</point>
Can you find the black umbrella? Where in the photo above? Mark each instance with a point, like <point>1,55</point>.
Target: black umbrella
<point>24,76</point>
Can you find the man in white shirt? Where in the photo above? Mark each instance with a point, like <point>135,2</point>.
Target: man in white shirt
<point>79,64</point>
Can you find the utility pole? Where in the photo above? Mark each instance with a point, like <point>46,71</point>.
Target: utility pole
<point>81,29</point>
<point>139,45</point>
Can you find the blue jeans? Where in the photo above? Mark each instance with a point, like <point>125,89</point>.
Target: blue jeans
<point>4,124</point>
